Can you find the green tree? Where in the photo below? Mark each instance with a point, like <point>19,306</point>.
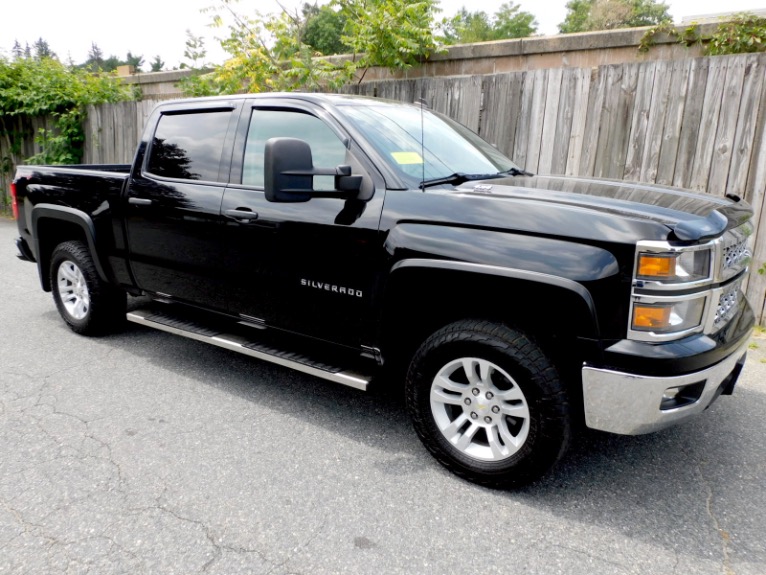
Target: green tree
<point>157,64</point>
<point>135,61</point>
<point>194,52</point>
<point>466,27</point>
<point>394,34</point>
<point>590,15</point>
<point>512,22</point>
<point>17,51</point>
<point>43,50</point>
<point>111,63</point>
<point>95,59</point>
<point>576,17</point>
<point>508,22</point>
<point>270,53</point>
<point>323,29</point>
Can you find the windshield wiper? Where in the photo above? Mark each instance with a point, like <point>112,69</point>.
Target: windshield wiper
<point>460,178</point>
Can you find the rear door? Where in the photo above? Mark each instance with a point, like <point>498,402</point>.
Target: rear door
<point>305,267</point>
<point>173,212</point>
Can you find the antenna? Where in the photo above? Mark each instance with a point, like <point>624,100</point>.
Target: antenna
<point>423,104</point>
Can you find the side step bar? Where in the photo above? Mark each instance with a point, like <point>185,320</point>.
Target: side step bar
<point>246,346</point>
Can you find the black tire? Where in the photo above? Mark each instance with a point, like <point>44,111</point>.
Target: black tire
<point>88,305</point>
<point>498,398</point>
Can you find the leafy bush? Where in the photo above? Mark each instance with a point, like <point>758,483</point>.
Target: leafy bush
<point>746,33</point>
<point>743,34</point>
<point>45,87</point>
<point>272,53</point>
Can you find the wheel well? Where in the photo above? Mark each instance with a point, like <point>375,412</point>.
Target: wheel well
<point>419,302</point>
<point>51,233</point>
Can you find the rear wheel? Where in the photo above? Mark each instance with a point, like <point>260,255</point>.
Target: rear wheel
<point>488,403</point>
<point>88,305</point>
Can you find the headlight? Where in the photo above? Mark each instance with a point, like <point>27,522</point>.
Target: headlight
<point>665,317</point>
<point>674,267</point>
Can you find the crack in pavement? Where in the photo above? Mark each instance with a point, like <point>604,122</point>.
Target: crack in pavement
<point>216,542</point>
<point>725,537</point>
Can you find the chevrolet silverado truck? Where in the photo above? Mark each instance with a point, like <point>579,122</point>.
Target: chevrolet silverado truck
<point>361,240</point>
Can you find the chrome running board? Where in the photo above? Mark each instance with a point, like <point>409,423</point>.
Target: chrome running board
<point>247,346</point>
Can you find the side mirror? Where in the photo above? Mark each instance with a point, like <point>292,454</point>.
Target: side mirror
<point>289,173</point>
<point>284,157</point>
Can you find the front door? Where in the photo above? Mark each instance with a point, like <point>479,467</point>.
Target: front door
<point>306,267</point>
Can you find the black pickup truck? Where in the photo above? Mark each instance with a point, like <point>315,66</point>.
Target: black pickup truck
<point>362,240</point>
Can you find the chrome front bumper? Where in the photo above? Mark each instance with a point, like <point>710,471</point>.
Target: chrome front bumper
<point>630,404</point>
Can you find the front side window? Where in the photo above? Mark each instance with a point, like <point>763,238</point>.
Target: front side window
<point>327,150</point>
<point>189,146</point>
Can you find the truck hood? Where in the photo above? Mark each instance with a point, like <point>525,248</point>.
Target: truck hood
<point>689,216</point>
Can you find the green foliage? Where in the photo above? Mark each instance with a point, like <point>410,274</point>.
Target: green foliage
<point>394,34</point>
<point>323,29</point>
<point>762,269</point>
<point>46,88</point>
<point>512,22</point>
<point>157,64</point>
<point>42,50</point>
<point>272,53</point>
<point>591,15</point>
<point>97,63</point>
<point>688,36</point>
<point>576,16</point>
<point>133,60</point>
<point>743,34</point>
<point>508,22</point>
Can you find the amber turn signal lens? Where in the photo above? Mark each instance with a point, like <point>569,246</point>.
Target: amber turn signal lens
<point>657,266</point>
<point>647,317</point>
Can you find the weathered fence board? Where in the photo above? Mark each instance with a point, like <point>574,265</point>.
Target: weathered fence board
<point>727,126</point>
<point>711,108</point>
<point>579,98</point>
<point>658,109</point>
<point>640,121</point>
<point>692,119</point>
<point>671,135</point>
<point>551,122</point>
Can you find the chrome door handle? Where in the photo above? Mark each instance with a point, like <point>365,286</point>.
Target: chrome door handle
<point>241,215</point>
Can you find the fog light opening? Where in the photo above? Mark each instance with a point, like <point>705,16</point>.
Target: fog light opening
<point>681,396</point>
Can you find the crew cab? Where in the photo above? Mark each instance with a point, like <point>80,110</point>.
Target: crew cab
<point>366,241</point>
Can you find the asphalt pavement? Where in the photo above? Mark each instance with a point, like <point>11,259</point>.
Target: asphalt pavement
<point>144,452</point>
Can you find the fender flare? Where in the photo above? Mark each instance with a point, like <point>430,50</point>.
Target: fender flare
<point>510,273</point>
<point>71,216</point>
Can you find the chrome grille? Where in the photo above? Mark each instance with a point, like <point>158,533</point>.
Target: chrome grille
<point>733,255</point>
<point>735,252</point>
<point>727,305</point>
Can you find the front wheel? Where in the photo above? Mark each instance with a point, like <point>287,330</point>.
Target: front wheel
<point>88,305</point>
<point>488,404</point>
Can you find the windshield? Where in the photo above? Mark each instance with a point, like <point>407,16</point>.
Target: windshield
<point>423,144</point>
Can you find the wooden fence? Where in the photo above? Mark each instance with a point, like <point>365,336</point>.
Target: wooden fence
<point>697,123</point>
<point>17,143</point>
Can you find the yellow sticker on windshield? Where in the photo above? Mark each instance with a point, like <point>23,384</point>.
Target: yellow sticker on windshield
<point>407,158</point>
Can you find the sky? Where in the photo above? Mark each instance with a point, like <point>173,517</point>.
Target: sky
<point>158,27</point>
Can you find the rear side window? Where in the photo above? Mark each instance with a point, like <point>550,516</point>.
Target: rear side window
<point>189,146</point>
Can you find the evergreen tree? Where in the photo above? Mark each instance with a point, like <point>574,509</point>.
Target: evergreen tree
<point>43,50</point>
<point>157,64</point>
